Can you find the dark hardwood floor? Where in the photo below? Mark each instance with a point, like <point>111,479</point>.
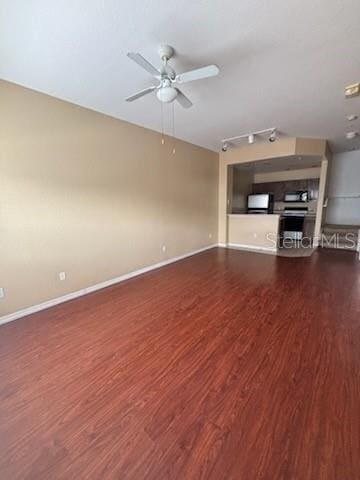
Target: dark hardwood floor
<point>226,365</point>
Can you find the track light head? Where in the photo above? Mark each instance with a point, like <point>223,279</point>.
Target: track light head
<point>251,138</point>
<point>272,136</point>
<point>224,147</point>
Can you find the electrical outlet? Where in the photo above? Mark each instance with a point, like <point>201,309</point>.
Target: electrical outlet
<point>62,276</point>
<point>163,248</point>
<point>210,235</point>
<point>2,293</point>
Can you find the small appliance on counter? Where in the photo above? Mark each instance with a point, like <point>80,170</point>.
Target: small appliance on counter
<point>297,197</point>
<point>262,203</point>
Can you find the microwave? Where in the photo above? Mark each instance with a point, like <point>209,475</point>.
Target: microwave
<point>302,196</point>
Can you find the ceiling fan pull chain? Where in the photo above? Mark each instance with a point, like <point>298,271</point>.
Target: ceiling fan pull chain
<point>162,124</point>
<point>173,126</point>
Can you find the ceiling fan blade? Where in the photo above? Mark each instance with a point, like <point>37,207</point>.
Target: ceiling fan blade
<point>183,100</point>
<point>140,60</point>
<point>198,74</point>
<point>140,94</point>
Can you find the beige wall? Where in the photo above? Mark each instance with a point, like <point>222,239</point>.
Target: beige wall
<point>253,231</point>
<point>320,217</point>
<point>242,187</point>
<point>283,147</point>
<point>287,175</point>
<point>311,146</point>
<point>95,197</point>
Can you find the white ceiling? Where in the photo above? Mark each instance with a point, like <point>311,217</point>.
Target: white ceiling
<point>279,164</point>
<point>283,63</point>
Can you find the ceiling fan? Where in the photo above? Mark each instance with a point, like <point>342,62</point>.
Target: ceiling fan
<point>166,90</point>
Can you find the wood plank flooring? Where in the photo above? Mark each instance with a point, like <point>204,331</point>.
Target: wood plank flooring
<point>226,365</point>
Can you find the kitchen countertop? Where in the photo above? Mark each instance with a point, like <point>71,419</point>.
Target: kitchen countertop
<point>253,214</point>
<point>278,213</point>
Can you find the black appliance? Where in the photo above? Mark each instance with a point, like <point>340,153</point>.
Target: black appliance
<point>300,196</point>
<point>293,223</point>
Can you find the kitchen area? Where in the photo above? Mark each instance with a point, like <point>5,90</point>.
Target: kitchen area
<point>272,205</point>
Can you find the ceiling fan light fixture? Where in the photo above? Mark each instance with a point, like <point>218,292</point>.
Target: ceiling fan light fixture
<point>166,94</point>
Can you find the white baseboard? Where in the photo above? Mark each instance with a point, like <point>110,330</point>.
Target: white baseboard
<point>107,283</point>
<point>252,248</point>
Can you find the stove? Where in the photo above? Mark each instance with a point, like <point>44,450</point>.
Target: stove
<point>294,222</point>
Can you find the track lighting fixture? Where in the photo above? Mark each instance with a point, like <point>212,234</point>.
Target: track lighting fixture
<point>251,137</point>
<point>351,135</point>
<point>272,137</point>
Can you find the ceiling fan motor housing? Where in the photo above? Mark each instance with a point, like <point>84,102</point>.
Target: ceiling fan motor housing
<point>165,51</point>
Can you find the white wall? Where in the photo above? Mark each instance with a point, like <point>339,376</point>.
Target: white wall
<point>344,189</point>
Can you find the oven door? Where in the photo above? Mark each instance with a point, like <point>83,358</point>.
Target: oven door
<point>293,228</point>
